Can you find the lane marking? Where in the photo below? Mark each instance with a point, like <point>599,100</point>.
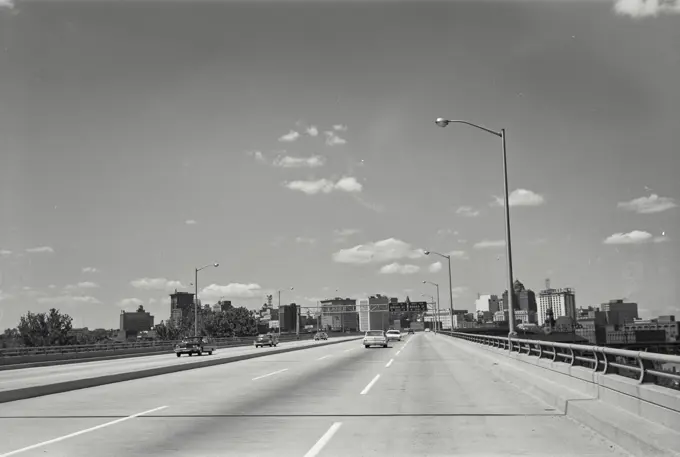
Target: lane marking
<point>389,363</point>
<point>265,375</point>
<point>87,430</point>
<point>368,387</point>
<point>325,356</point>
<point>314,451</point>
<point>350,349</point>
<point>398,352</point>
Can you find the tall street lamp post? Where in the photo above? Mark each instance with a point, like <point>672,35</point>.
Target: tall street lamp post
<point>438,309</point>
<point>196,295</point>
<point>448,258</point>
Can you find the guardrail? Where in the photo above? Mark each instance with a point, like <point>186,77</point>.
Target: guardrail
<point>646,367</point>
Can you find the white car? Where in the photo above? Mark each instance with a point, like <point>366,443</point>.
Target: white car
<point>393,335</point>
<point>375,338</point>
<point>427,329</point>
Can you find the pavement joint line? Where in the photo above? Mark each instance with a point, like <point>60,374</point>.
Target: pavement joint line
<point>323,441</point>
<point>265,375</point>
<point>325,356</point>
<point>367,388</point>
<point>389,363</point>
<point>81,432</point>
<point>398,352</point>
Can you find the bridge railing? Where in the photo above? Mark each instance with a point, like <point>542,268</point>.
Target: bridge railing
<point>645,367</point>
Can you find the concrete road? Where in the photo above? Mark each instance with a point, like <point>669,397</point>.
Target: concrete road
<point>416,398</point>
<point>30,377</point>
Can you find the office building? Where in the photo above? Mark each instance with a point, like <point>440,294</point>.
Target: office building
<point>339,314</point>
<point>561,301</point>
<point>487,303</point>
<point>619,312</point>
<point>181,304</point>
<point>131,324</point>
<point>524,299</point>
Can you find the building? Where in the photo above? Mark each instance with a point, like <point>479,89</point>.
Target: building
<point>523,316</point>
<point>224,305</point>
<point>619,312</point>
<point>444,318</point>
<point>181,304</point>
<point>562,302</point>
<point>524,299</point>
<point>667,324</point>
<point>339,314</point>
<point>487,303</point>
<point>132,324</point>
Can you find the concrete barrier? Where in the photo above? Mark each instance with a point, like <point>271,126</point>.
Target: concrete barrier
<point>49,389</point>
<point>644,419</point>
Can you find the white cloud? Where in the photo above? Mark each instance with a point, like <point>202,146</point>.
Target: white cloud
<point>458,291</point>
<point>386,250</point>
<point>467,211</point>
<point>130,303</point>
<point>258,156</point>
<point>7,4</point>
<point>660,239</point>
<point>634,237</point>
<point>52,286</point>
<point>325,186</point>
<point>234,290</point>
<point>298,162</point>
<point>334,140</point>
<point>290,136</point>
<point>396,268</point>
<point>521,197</point>
<point>156,284</point>
<point>462,255</point>
<point>82,285</point>
<point>346,232</point>
<point>446,231</point>
<point>304,240</point>
<point>190,222</point>
<point>648,205</point>
<point>489,244</point>
<point>646,8</point>
<point>69,300</point>
<point>90,270</point>
<point>40,249</point>
<point>435,267</point>
<point>5,253</point>
<point>312,130</point>
<point>340,127</point>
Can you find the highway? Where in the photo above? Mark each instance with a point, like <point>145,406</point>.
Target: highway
<point>420,397</point>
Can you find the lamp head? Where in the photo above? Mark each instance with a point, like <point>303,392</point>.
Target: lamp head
<point>216,264</point>
<point>441,122</point>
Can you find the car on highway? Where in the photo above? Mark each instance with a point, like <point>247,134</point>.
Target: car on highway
<point>195,345</point>
<point>411,331</point>
<point>375,338</point>
<point>266,340</point>
<point>321,336</point>
<point>427,329</point>
<point>393,335</point>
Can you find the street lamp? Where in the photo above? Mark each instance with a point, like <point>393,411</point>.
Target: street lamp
<point>431,298</point>
<point>437,311</point>
<point>292,288</point>
<point>441,122</point>
<point>196,296</point>
<point>448,258</point>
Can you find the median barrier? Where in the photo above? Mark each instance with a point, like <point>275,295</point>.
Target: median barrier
<point>67,386</point>
<point>641,417</point>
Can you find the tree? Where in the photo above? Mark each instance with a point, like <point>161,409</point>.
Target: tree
<point>168,332</point>
<point>45,329</point>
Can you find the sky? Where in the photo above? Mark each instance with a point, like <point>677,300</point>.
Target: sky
<point>295,144</point>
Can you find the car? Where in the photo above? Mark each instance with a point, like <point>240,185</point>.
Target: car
<point>320,336</point>
<point>375,338</point>
<point>266,340</point>
<point>427,329</point>
<point>393,335</point>
<point>411,331</point>
<point>195,345</point>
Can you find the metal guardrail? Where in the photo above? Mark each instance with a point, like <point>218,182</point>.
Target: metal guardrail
<point>640,365</point>
<point>117,347</point>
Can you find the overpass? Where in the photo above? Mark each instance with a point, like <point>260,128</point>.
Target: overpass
<point>429,394</point>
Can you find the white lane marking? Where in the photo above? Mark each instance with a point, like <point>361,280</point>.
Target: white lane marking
<point>87,430</point>
<point>389,363</point>
<point>370,384</point>
<point>265,375</point>
<point>398,352</point>
<point>350,349</point>
<point>314,451</point>
<point>325,356</point>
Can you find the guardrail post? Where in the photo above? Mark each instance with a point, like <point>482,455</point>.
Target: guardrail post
<point>573,357</point>
<point>644,366</point>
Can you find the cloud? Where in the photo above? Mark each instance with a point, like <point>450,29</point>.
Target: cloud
<point>660,239</point>
<point>290,136</point>
<point>446,231</point>
<point>396,268</point>
<point>5,253</point>
<point>467,211</point>
<point>489,244</point>
<point>334,140</point>
<point>382,251</point>
<point>190,222</point>
<point>69,300</point>
<point>40,250</point>
<point>90,270</point>
<point>340,127</point>
<point>458,291</point>
<point>346,232</point>
<point>7,4</point>
<point>634,237</point>
<point>521,197</point>
<point>156,284</point>
<point>312,130</point>
<point>325,186</point>
<point>648,205</point>
<point>462,255</point>
<point>82,285</point>
<point>214,292</point>
<point>435,267</point>
<point>304,240</point>
<point>368,205</point>
<point>299,162</point>
<point>258,156</point>
<point>646,8</point>
<point>130,303</point>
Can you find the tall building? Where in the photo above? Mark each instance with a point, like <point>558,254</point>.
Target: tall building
<point>340,314</point>
<point>619,312</point>
<point>181,304</point>
<point>524,299</point>
<point>562,302</point>
<point>487,304</point>
<point>131,324</point>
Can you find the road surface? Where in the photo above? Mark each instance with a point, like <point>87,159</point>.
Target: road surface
<point>419,397</point>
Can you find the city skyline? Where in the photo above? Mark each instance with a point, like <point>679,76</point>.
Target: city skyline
<point>307,156</point>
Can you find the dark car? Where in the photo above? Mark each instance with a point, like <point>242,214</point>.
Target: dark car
<point>411,332</point>
<point>266,340</point>
<point>195,345</point>
<point>320,336</point>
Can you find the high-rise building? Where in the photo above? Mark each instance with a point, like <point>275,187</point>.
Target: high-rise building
<point>562,302</point>
<point>524,299</point>
<point>183,302</point>
<point>131,324</point>
<point>619,312</point>
<point>487,303</point>
<point>340,314</point>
